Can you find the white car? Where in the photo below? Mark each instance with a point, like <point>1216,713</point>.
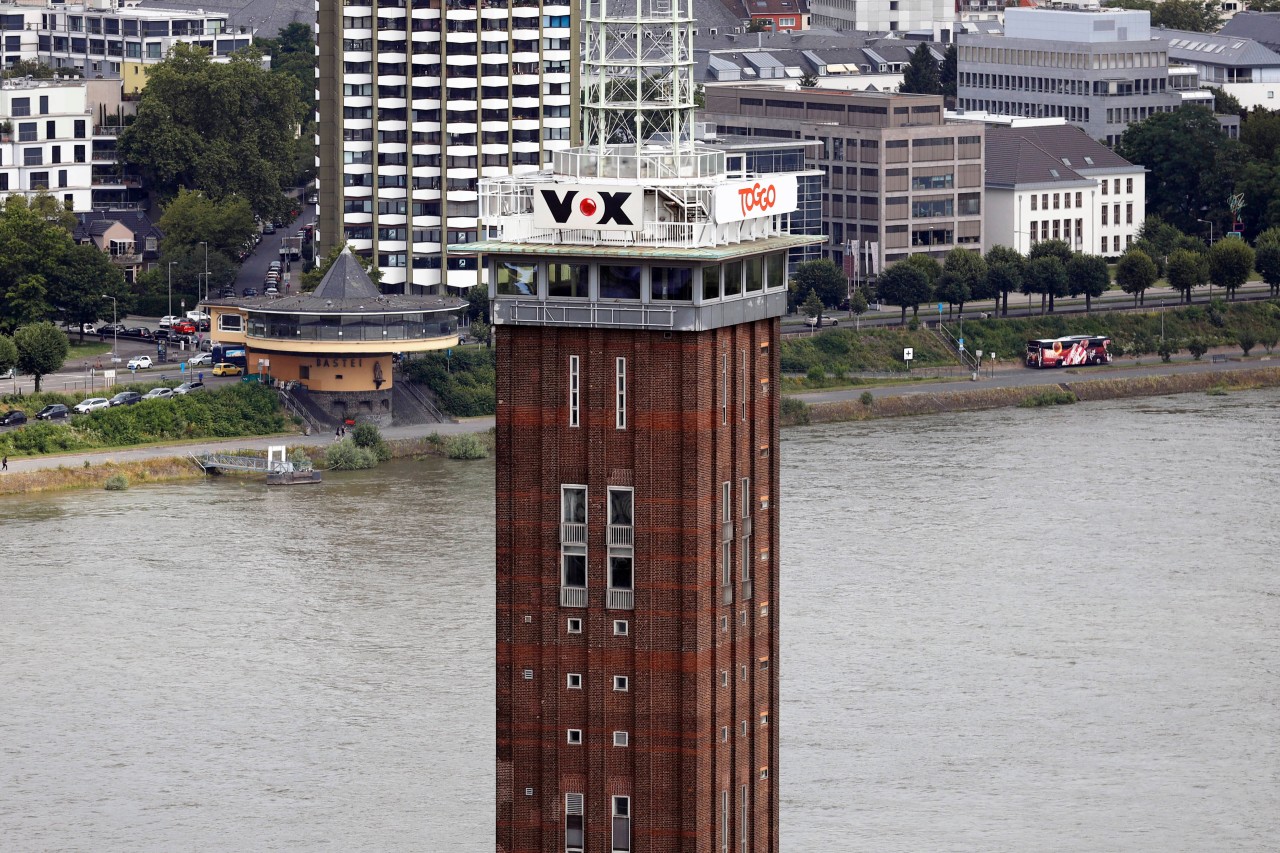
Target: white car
<point>158,394</point>
<point>201,359</point>
<point>827,320</point>
<point>139,362</point>
<point>168,320</point>
<point>11,373</point>
<point>197,316</point>
<point>91,405</point>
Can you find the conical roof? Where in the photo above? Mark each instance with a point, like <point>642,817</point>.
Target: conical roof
<point>346,279</point>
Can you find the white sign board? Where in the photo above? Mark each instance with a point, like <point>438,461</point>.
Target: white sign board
<point>109,376</point>
<point>588,206</point>
<point>908,353</point>
<point>765,196</point>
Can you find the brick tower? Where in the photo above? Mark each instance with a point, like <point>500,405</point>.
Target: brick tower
<point>636,294</point>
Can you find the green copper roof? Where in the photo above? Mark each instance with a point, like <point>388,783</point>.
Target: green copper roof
<point>667,253</point>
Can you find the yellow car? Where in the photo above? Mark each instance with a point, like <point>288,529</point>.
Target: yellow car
<point>226,368</point>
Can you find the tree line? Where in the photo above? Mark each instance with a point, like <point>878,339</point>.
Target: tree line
<point>1051,271</point>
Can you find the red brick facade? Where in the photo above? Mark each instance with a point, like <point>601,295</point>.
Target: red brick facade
<point>701,708</point>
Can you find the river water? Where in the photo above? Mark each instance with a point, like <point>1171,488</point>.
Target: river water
<point>1047,630</point>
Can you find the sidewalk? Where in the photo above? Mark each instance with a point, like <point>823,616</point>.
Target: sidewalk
<point>77,459</point>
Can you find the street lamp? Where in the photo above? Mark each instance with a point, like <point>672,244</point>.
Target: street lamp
<point>171,263</point>
<point>115,328</point>
<point>1210,224</point>
<point>205,243</point>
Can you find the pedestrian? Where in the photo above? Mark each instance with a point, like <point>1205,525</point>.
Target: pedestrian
<point>337,434</point>
<point>4,466</point>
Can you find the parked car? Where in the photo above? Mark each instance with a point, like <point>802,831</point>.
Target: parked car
<point>168,320</point>
<point>92,404</point>
<point>202,325</point>
<point>126,398</point>
<point>312,198</point>
<point>227,293</point>
<point>183,327</point>
<point>11,373</point>
<point>187,388</point>
<point>161,335</point>
<point>269,228</point>
<point>226,368</point>
<point>196,316</point>
<point>274,265</point>
<point>272,290</point>
<point>88,328</point>
<point>250,291</point>
<point>112,329</point>
<point>51,411</point>
<point>158,394</point>
<point>826,321</point>
<point>139,362</point>
<point>200,359</point>
<point>13,417</point>
<point>139,332</point>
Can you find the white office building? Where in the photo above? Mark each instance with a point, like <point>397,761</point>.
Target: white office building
<point>48,144</point>
<point>881,16</point>
<point>417,101</point>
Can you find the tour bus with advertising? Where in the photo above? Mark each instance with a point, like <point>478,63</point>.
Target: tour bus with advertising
<point>1069,351</point>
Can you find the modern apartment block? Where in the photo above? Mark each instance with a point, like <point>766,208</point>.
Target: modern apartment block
<point>898,178</point>
<point>419,99</point>
<point>1052,181</point>
<point>103,38</point>
<point>1099,70</point>
<point>880,16</point>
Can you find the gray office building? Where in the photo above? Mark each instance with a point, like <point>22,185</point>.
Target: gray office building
<point>1100,70</point>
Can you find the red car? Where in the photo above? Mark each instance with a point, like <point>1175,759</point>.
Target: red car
<point>184,327</point>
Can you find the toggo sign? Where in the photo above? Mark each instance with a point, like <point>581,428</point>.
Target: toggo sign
<point>613,208</point>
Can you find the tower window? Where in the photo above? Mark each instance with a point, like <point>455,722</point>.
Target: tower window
<point>575,626</point>
<point>621,683</point>
<point>575,736</point>
<point>621,416</point>
<point>573,829</point>
<point>573,390</point>
<point>573,681</point>
<point>620,738</point>
<point>620,628</point>
<point>622,823</point>
<point>724,388</point>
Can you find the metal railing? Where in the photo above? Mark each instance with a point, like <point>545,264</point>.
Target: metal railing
<point>621,535</point>
<point>953,342</point>
<point>295,407</point>
<point>620,599</point>
<point>595,314</point>
<point>573,533</point>
<point>573,596</point>
<point>423,400</point>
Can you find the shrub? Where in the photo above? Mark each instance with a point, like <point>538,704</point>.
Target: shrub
<point>866,399</point>
<point>1167,349</point>
<point>816,375</point>
<point>794,411</point>
<point>1247,340</point>
<point>1049,397</point>
<point>345,455</point>
<point>465,446</point>
<point>116,483</point>
<point>1197,347</point>
<point>367,435</point>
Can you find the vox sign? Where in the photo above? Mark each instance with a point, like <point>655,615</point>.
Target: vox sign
<point>599,208</point>
<point>763,196</point>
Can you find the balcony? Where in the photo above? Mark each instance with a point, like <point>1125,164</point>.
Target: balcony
<point>619,599</point>
<point>573,534</point>
<point>621,535</point>
<point>573,596</point>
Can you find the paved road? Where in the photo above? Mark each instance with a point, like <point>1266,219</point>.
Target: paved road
<point>1015,375</point>
<point>77,460</point>
<point>254,268</point>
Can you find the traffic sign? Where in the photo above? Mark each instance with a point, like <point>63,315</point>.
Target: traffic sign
<point>962,345</point>
<point>939,308</point>
<point>908,353</point>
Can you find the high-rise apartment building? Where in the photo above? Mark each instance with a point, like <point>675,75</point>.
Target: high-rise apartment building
<point>637,289</point>
<point>419,99</point>
<point>1099,69</point>
<point>878,16</point>
<point>899,179</point>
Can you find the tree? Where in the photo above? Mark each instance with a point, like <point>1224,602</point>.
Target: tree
<point>1186,270</point>
<point>964,275</point>
<point>35,69</point>
<point>191,218</point>
<point>1053,249</point>
<point>481,331</point>
<point>1197,347</point>
<point>33,246</point>
<point>1225,103</point>
<point>1260,133</point>
<point>904,285</point>
<point>42,349</point>
<point>1179,148</point>
<point>224,128</point>
<point>931,268</point>
<point>1046,276</point>
<point>8,354</point>
<point>824,278</point>
<point>1088,275</point>
<point>813,308</point>
<point>77,286</point>
<point>809,81</point>
<point>858,305</point>
<point>1197,16</point>
<point>921,75</point>
<point>1267,259</point>
<point>760,25</point>
<point>1004,273</point>
<point>1135,272</point>
<point>1230,262</point>
<point>478,303</point>
<point>949,73</point>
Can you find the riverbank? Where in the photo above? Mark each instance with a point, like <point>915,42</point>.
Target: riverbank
<point>30,475</point>
<point>886,405</point>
